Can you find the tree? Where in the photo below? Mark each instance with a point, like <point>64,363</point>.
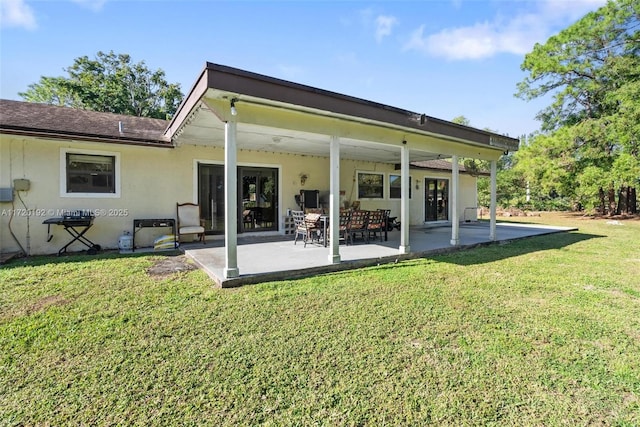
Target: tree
<point>510,188</point>
<point>472,166</point>
<point>461,120</point>
<point>109,83</point>
<point>592,69</point>
<point>547,165</point>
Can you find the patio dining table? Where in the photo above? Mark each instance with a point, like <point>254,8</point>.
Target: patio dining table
<point>324,225</point>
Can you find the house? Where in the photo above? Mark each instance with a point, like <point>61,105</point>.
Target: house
<point>241,145</point>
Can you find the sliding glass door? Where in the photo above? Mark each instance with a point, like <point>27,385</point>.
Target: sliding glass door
<point>436,199</point>
<point>211,197</point>
<point>258,191</point>
<point>257,198</point>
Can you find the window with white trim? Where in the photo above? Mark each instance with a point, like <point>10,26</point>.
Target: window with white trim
<point>89,173</point>
<point>370,185</point>
<point>395,189</point>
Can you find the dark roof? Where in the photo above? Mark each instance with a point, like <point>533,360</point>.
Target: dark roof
<point>257,86</point>
<point>28,118</point>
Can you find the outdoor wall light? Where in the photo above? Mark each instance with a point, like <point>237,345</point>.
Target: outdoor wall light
<point>234,112</point>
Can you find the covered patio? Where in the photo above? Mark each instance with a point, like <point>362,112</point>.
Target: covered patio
<point>240,113</point>
<point>270,258</point>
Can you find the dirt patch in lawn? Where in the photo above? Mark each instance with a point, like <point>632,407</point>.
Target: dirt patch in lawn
<point>167,266</point>
<point>38,306</point>
<point>46,302</point>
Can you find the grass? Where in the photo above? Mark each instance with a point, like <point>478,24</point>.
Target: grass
<point>542,331</point>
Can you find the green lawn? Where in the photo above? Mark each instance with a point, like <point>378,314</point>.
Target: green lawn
<point>543,331</point>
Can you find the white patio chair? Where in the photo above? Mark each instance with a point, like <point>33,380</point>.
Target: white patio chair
<point>189,221</point>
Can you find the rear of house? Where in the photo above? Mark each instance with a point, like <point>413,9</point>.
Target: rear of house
<point>120,168</point>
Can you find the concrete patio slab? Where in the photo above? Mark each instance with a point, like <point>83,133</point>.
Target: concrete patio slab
<point>263,259</point>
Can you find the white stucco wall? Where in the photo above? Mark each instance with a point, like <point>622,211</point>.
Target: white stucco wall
<point>153,179</point>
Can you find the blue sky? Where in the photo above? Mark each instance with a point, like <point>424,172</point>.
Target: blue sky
<point>444,58</point>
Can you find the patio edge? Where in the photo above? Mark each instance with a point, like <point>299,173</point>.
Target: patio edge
<point>281,275</point>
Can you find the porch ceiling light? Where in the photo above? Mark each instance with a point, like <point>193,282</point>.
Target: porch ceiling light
<point>234,112</point>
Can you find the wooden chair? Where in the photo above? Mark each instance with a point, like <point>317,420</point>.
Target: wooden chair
<point>376,224</point>
<point>357,224</point>
<point>189,221</point>
<point>306,226</point>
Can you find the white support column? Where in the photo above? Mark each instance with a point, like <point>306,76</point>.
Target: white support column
<point>404,248</point>
<point>334,201</point>
<point>455,221</point>
<point>230,200</point>
<point>492,207</point>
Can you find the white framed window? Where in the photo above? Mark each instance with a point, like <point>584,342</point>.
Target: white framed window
<point>370,185</point>
<point>395,189</point>
<point>89,173</point>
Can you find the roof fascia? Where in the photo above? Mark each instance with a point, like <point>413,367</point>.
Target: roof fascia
<point>180,118</point>
<point>83,137</point>
<point>255,86</point>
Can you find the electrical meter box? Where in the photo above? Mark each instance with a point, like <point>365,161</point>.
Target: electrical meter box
<point>21,184</point>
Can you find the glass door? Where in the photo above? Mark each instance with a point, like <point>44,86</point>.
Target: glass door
<point>211,197</point>
<point>258,190</point>
<point>436,199</point>
<point>257,198</point>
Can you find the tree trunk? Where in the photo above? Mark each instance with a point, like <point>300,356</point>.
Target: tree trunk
<point>633,201</point>
<point>622,201</point>
<point>612,201</point>
<point>601,208</point>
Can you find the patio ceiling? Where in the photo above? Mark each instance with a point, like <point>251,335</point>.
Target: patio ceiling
<point>278,116</point>
<point>206,129</point>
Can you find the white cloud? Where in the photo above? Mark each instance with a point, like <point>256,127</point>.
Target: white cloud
<point>16,13</point>
<point>384,26</point>
<point>572,10</point>
<point>516,35</point>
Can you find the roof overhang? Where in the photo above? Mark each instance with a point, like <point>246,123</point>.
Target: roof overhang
<point>279,116</point>
<point>84,137</point>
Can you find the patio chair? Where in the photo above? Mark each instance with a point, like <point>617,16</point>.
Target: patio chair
<point>314,210</point>
<point>376,224</point>
<point>357,224</point>
<point>343,225</point>
<point>313,223</point>
<point>248,219</point>
<point>189,221</point>
<point>306,226</point>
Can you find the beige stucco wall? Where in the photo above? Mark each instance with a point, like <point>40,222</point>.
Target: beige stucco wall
<point>152,180</point>
<point>467,196</point>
